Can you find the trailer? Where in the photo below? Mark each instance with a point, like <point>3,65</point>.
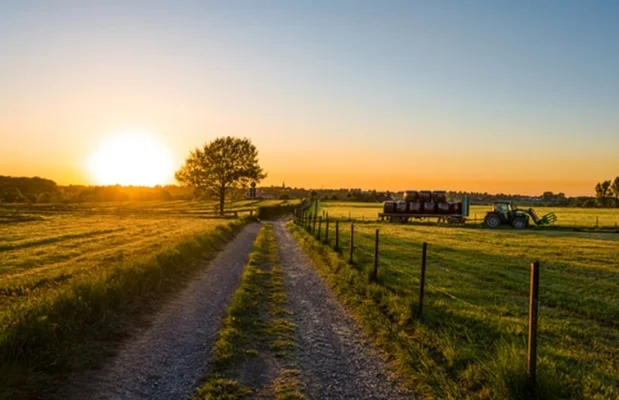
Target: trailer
<point>426,205</point>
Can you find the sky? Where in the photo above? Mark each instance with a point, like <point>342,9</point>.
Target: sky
<point>497,96</point>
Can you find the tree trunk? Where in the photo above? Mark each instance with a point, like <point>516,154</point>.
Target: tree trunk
<point>222,198</point>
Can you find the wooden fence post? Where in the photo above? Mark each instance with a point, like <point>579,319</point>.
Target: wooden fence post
<point>422,283</point>
<point>533,308</point>
<point>597,222</point>
<point>319,227</point>
<point>375,272</point>
<point>352,242</point>
<point>327,230</point>
<point>337,235</point>
<point>314,225</point>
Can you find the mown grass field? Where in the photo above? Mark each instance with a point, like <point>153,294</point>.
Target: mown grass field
<point>566,216</point>
<point>472,340</point>
<point>75,276</point>
<point>41,256</point>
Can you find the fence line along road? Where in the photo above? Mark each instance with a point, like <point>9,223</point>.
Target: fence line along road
<point>300,219</point>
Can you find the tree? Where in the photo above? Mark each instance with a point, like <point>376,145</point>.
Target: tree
<point>602,191</point>
<point>12,195</point>
<point>223,165</point>
<point>44,197</point>
<point>615,188</point>
<point>548,196</point>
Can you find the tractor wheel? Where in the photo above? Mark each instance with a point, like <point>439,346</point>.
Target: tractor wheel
<point>492,221</point>
<point>519,223</point>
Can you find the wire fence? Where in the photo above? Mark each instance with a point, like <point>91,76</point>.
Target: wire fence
<point>363,248</point>
<point>602,222</point>
<point>362,241</point>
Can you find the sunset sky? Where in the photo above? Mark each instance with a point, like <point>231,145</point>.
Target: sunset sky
<point>498,96</point>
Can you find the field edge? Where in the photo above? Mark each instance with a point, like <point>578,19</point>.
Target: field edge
<point>72,329</point>
<point>404,340</point>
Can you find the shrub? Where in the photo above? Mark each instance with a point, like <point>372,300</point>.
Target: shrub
<point>12,195</point>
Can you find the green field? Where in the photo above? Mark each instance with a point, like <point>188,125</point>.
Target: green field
<point>73,276</point>
<point>64,242</point>
<point>41,256</point>
<point>566,216</point>
<point>472,341</point>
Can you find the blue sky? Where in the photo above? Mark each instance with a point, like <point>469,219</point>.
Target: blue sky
<point>481,93</point>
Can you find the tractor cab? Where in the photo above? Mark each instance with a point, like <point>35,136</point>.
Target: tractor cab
<point>503,208</point>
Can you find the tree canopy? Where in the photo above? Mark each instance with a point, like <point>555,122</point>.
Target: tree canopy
<point>27,185</point>
<point>221,167</point>
<point>607,192</point>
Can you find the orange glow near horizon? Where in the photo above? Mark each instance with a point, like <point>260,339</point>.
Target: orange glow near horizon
<point>423,97</point>
<point>131,159</point>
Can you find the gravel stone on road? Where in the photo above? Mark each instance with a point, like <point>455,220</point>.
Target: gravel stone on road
<point>167,358</point>
<point>334,356</point>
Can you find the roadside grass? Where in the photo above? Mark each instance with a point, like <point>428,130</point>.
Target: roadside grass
<point>473,345</point>
<point>55,324</point>
<point>256,325</point>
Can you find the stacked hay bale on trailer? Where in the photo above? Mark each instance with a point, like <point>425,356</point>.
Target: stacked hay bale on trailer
<point>425,204</point>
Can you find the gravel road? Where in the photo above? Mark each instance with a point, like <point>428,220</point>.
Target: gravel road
<point>335,359</point>
<point>166,359</point>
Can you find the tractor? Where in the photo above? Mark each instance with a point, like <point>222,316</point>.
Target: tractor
<point>506,213</point>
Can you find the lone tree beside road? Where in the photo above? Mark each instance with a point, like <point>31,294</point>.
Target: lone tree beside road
<point>225,164</point>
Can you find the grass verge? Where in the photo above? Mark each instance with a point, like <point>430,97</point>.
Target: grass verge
<point>71,329</point>
<point>421,353</point>
<point>256,325</point>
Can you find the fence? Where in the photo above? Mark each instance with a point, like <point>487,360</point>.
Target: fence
<point>313,224</point>
<point>604,223</point>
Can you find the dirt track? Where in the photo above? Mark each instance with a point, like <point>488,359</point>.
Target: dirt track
<point>166,359</point>
<point>335,359</point>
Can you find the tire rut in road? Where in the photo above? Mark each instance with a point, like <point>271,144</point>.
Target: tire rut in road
<point>335,359</point>
<point>166,359</point>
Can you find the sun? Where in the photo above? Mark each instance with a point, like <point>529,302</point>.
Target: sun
<point>131,158</point>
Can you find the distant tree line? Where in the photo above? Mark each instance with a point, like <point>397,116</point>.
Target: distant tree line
<point>23,189</point>
<point>40,190</point>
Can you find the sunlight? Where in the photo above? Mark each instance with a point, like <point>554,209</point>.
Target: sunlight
<point>131,159</point>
